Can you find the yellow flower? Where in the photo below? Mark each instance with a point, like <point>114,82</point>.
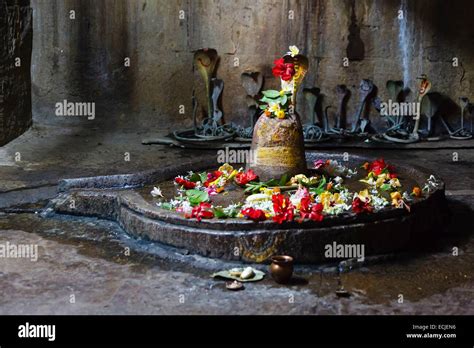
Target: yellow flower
<point>395,195</point>
<point>294,51</point>
<point>282,92</point>
<point>280,114</point>
<point>364,196</point>
<point>325,198</point>
<point>226,167</point>
<point>266,191</point>
<point>395,182</point>
<point>381,179</point>
<point>337,198</point>
<point>274,108</point>
<point>396,199</point>
<point>232,175</point>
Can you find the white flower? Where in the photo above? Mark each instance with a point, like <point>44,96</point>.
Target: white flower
<point>288,86</point>
<point>379,202</point>
<point>258,197</point>
<point>186,208</point>
<point>406,196</point>
<point>294,51</point>
<point>156,192</point>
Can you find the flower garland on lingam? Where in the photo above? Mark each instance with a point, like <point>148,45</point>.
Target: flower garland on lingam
<point>285,197</point>
<point>277,103</point>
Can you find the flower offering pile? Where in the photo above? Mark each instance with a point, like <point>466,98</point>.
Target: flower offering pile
<point>331,189</point>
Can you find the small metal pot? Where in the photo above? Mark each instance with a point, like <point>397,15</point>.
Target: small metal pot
<point>281,268</point>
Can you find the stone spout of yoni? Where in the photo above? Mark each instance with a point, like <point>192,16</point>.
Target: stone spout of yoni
<point>278,148</point>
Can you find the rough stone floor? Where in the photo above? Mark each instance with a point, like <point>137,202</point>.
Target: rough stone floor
<point>83,268</point>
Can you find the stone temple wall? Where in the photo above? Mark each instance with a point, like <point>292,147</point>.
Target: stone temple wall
<point>15,56</point>
<point>82,59</point>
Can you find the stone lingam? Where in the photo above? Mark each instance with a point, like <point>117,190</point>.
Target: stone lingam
<point>278,143</point>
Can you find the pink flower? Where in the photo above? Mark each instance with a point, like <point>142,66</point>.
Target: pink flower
<point>211,190</point>
<point>319,164</point>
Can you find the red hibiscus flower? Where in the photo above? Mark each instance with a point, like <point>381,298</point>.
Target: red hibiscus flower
<point>202,211</point>
<point>379,165</point>
<point>359,206</point>
<point>212,176</point>
<point>284,210</point>
<point>283,70</point>
<point>185,183</point>
<point>244,178</point>
<point>254,214</point>
<point>310,211</point>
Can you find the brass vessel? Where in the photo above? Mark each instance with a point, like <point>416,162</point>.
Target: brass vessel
<point>281,268</point>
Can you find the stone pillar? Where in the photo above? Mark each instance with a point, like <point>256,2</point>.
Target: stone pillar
<point>15,62</point>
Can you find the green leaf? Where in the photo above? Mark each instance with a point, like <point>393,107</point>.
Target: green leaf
<point>283,180</point>
<point>262,107</point>
<point>321,187</point>
<point>271,93</point>
<point>283,99</point>
<point>203,176</point>
<point>232,211</point>
<point>196,196</point>
<point>220,213</point>
<point>386,187</point>
<point>226,274</point>
<point>268,100</point>
<point>254,187</point>
<point>166,206</point>
<point>195,177</point>
<point>272,182</point>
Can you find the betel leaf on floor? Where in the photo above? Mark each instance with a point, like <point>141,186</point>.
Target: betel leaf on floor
<point>259,275</point>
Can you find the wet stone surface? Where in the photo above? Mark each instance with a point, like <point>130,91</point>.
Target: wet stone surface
<point>86,257</point>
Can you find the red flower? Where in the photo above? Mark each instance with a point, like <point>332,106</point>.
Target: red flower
<point>212,176</point>
<point>283,70</point>
<point>359,206</point>
<point>244,178</point>
<point>185,183</point>
<point>254,214</point>
<point>284,210</point>
<point>310,211</point>
<point>379,165</point>
<point>202,211</point>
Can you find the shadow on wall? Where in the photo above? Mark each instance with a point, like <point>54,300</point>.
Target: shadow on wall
<point>15,60</point>
<point>84,51</point>
<point>83,58</point>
